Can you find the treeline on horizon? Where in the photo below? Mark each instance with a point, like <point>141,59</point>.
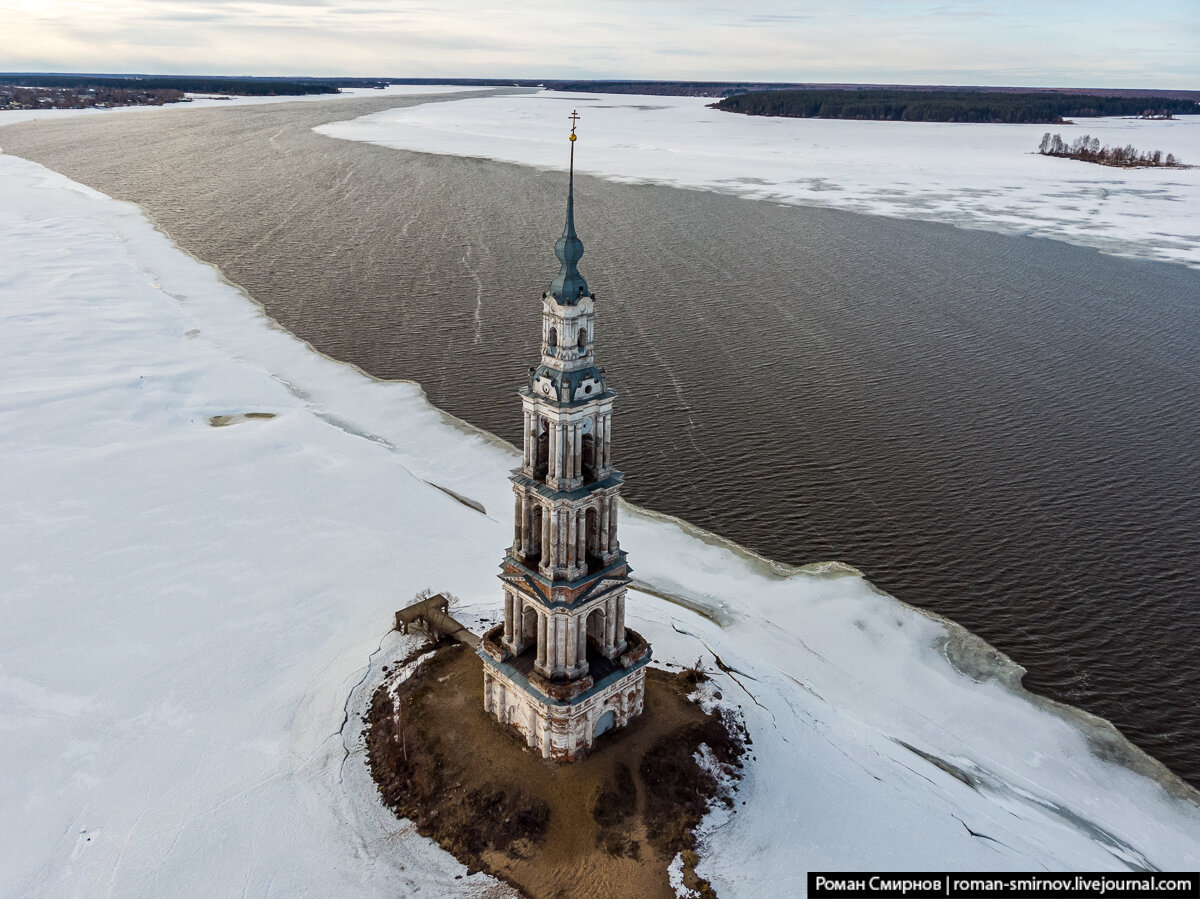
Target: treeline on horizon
<point>946,106</point>
<point>192,84</point>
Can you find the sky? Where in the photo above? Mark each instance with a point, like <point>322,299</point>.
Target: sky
<point>1067,43</point>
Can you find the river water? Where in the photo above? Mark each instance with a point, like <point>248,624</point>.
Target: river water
<point>1000,429</point>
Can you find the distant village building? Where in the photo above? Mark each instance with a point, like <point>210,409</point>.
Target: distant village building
<point>562,669</point>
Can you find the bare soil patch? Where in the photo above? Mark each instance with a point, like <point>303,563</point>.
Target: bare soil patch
<point>606,826</point>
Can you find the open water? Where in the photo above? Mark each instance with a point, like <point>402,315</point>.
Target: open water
<point>1000,429</point>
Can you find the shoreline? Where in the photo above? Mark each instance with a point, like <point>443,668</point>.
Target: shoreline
<point>358,453</point>
<point>380,345</point>
<point>970,654</point>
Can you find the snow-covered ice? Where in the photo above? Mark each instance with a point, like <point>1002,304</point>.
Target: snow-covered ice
<point>975,176</point>
<point>194,617</point>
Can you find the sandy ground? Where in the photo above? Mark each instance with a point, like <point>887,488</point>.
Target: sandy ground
<point>576,857</point>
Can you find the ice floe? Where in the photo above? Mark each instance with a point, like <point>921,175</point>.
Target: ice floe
<point>974,176</point>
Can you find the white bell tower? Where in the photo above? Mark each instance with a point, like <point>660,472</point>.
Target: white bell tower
<point>563,668</point>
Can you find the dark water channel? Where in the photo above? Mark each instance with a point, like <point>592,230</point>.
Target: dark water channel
<point>1000,429</point>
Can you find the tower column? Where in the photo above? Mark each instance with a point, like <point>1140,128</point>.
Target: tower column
<point>612,525</point>
<point>541,639</point>
<point>552,466</point>
<point>568,455</point>
<point>610,623</point>
<point>545,513</point>
<point>571,640</point>
<point>604,525</point>
<point>555,540</point>
<point>581,537</point>
<point>564,452</point>
<point>581,636</point>
<point>556,642</point>
<point>524,526</point>
<point>620,636</point>
<point>508,616</point>
<point>518,520</point>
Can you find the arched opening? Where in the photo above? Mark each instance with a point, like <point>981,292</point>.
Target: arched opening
<point>593,541</point>
<point>552,342</point>
<point>582,339</point>
<point>604,723</point>
<point>588,456</point>
<point>529,621</point>
<point>541,463</point>
<point>595,628</point>
<point>535,537</point>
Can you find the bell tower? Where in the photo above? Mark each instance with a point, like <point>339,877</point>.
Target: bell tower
<point>562,669</point>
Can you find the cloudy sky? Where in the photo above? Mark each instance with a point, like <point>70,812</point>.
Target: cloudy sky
<point>1098,43</point>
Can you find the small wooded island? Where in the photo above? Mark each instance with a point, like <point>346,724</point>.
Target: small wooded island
<point>1088,149</point>
<point>1041,107</point>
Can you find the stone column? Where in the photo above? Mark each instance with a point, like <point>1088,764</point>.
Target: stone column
<point>552,462</point>
<point>562,642</point>
<point>568,453</point>
<point>487,691</point>
<point>541,639</point>
<point>528,443</point>
<point>564,450</point>
<point>571,640</point>
<point>524,526</point>
<point>610,623</point>
<point>554,551</point>
<point>581,649</point>
<point>508,616</point>
<point>545,513</point>
<point>620,618</point>
<point>581,536</point>
<point>518,520</point>
<point>572,520</point>
<point>602,451</point>
<point>613,545</point>
<point>604,525</point>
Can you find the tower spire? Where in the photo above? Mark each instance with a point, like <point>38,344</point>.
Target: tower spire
<point>569,285</point>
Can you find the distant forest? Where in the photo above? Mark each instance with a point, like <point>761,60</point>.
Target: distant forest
<point>193,84</point>
<point>947,106</point>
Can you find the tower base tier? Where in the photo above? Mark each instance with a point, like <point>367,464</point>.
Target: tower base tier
<point>564,730</point>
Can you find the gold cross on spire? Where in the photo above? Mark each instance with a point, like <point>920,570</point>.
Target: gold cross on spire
<point>574,117</point>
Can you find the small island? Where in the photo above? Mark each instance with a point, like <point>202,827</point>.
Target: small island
<point>1088,149</point>
<point>1042,107</point>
